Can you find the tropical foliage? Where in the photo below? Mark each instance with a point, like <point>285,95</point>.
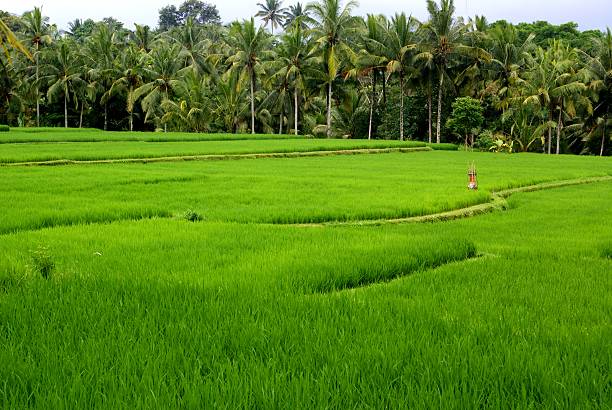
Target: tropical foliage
<point>313,69</point>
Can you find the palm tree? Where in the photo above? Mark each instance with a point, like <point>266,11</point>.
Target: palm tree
<point>372,59</point>
<point>251,47</point>
<point>443,40</point>
<point>142,37</point>
<point>509,56</point>
<point>230,97</point>
<point>400,40</point>
<point>37,31</point>
<point>192,39</point>
<point>296,13</point>
<point>131,63</point>
<point>553,84</point>
<point>163,71</point>
<point>64,75</point>
<point>600,70</point>
<point>101,57</point>
<point>347,112</point>
<point>192,112</point>
<point>332,25</point>
<point>294,56</point>
<point>272,13</point>
<point>8,40</point>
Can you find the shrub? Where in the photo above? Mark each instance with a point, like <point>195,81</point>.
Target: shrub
<point>42,262</point>
<point>4,128</point>
<point>485,140</point>
<point>466,119</point>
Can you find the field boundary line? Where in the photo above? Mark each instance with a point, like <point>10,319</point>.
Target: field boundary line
<point>497,202</point>
<point>220,157</point>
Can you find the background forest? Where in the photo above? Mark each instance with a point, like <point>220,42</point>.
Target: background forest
<point>316,70</point>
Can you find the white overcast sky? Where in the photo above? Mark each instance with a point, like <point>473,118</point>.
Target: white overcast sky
<point>589,14</point>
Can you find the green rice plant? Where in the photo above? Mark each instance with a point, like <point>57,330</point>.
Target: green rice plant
<point>444,147</point>
<point>11,277</point>
<point>85,151</point>
<point>42,134</point>
<point>4,128</point>
<point>606,250</point>
<point>42,262</point>
<point>164,313</point>
<point>280,191</point>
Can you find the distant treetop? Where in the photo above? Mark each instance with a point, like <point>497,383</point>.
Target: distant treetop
<point>202,13</point>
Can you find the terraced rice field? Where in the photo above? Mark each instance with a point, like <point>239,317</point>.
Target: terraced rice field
<point>260,304</point>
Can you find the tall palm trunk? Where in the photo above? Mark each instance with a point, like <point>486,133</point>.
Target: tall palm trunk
<point>372,104</point>
<point>65,109</point>
<point>439,127</point>
<point>282,115</point>
<point>81,116</point>
<point>329,104</point>
<point>252,105</point>
<point>549,144</point>
<point>131,112</point>
<point>384,89</point>
<point>106,116</point>
<point>401,107</point>
<point>603,136</point>
<point>559,126</point>
<point>429,109</point>
<point>165,124</point>
<point>37,91</point>
<point>295,103</point>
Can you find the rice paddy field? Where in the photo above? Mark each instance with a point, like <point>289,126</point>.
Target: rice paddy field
<point>263,283</point>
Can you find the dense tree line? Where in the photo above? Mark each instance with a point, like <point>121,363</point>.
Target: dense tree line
<point>319,70</point>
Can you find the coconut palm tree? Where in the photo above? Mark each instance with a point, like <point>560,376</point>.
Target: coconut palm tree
<point>332,25</point>
<point>400,42</point>
<point>142,37</point>
<point>132,68</point>
<point>272,13</point>
<point>192,111</point>
<point>600,83</point>
<point>251,47</point>
<point>443,40</point>
<point>230,101</point>
<point>194,44</point>
<point>509,56</point>
<point>553,84</point>
<point>162,68</point>
<point>101,54</point>
<point>293,61</point>
<point>8,41</point>
<point>373,60</point>
<point>64,75</point>
<point>296,13</point>
<point>37,31</point>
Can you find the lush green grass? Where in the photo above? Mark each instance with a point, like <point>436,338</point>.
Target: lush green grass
<point>13,153</point>
<point>511,309</point>
<point>167,313</point>
<point>272,190</point>
<point>45,134</point>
